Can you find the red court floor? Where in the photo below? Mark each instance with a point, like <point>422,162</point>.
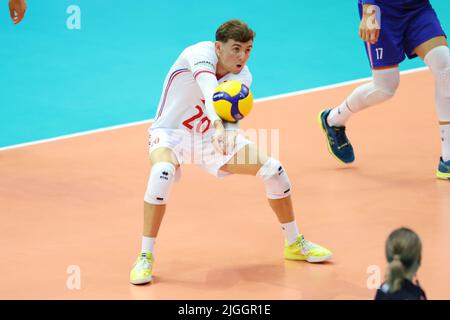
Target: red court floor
<point>79,202</point>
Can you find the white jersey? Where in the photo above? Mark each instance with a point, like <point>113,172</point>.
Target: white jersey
<point>186,100</point>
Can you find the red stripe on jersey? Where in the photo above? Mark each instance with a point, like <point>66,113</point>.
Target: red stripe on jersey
<point>203,71</point>
<point>167,89</point>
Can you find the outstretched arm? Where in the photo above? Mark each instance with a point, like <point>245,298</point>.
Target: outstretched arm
<point>17,10</point>
<point>208,84</point>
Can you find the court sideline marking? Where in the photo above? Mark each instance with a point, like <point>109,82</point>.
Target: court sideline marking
<point>136,123</point>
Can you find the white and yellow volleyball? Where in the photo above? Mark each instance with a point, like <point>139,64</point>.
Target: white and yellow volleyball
<point>232,101</point>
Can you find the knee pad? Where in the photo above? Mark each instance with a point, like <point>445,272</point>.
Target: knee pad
<point>159,183</point>
<point>438,60</point>
<point>275,179</point>
<point>385,83</point>
<point>386,80</point>
<point>383,87</point>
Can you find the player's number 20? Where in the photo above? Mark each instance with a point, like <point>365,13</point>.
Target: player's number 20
<point>202,126</point>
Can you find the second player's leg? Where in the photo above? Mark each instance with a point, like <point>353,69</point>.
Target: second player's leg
<point>384,57</point>
<point>435,54</point>
<point>385,81</point>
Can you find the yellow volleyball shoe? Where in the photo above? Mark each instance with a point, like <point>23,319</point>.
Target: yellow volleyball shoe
<point>306,250</point>
<point>142,269</point>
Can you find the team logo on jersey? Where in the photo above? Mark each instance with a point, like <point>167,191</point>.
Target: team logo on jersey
<point>203,63</point>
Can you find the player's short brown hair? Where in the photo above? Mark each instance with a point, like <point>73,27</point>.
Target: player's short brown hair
<point>236,30</point>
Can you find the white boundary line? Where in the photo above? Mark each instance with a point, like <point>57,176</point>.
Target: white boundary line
<point>274,97</point>
<point>73,135</point>
<point>331,86</point>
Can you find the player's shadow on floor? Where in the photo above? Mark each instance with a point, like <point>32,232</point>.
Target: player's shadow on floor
<point>382,176</point>
<point>301,279</point>
<point>397,179</point>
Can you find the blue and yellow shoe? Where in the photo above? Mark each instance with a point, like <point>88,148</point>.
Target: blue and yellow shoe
<point>142,269</point>
<point>306,250</point>
<point>443,171</point>
<point>337,141</point>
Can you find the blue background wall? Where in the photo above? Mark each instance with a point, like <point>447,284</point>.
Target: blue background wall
<point>57,81</point>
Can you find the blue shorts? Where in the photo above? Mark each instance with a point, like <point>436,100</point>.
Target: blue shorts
<point>402,30</point>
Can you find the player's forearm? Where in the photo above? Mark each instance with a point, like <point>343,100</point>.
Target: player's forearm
<point>208,84</point>
<point>209,109</point>
<point>17,10</point>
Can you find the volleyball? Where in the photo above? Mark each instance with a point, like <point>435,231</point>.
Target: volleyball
<point>232,101</point>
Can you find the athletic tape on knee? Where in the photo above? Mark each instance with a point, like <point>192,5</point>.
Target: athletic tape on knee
<point>438,60</point>
<point>275,179</point>
<point>383,86</point>
<point>159,183</point>
<point>444,81</point>
<point>443,95</point>
<point>386,80</point>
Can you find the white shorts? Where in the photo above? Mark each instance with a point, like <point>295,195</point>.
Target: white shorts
<point>194,148</point>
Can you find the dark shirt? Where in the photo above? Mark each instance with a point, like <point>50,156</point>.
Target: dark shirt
<point>408,291</point>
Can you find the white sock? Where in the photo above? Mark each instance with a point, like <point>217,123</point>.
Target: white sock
<point>339,115</point>
<point>147,244</point>
<point>445,141</point>
<point>291,232</point>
